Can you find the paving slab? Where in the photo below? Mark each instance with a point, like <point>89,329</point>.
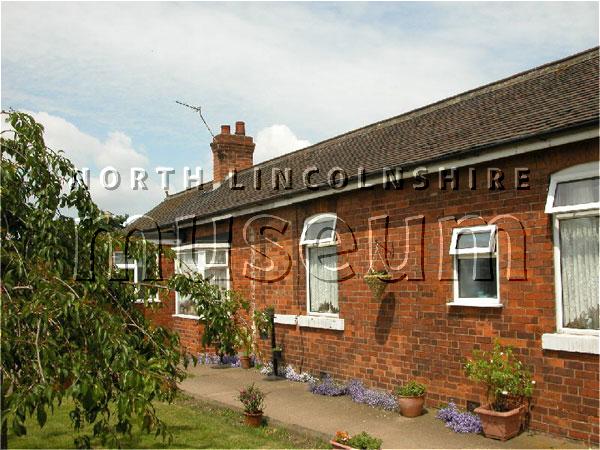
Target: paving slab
<point>291,404</point>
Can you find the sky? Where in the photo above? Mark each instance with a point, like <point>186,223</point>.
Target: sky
<point>103,77</point>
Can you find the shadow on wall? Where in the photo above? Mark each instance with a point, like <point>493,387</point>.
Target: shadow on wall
<point>385,318</point>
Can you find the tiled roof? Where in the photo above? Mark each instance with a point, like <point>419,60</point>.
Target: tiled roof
<point>544,100</point>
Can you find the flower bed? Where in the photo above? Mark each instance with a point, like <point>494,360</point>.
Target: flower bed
<point>459,421</point>
<point>209,359</point>
<point>327,387</point>
<point>377,399</point>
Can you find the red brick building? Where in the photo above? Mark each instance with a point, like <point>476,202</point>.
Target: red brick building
<point>484,209</point>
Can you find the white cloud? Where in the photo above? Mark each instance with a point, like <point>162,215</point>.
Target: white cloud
<point>85,150</point>
<point>276,140</point>
<point>320,68</point>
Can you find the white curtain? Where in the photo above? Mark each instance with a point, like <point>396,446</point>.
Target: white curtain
<point>187,264</point>
<point>576,192</point>
<point>323,279</point>
<point>579,272</point>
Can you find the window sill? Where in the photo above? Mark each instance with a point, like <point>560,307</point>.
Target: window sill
<point>186,316</point>
<point>323,322</point>
<point>286,319</point>
<point>150,300</point>
<point>576,343</point>
<point>478,303</point>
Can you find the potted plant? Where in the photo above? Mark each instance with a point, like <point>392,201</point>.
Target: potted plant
<point>377,280</point>
<point>509,387</point>
<point>362,440</point>
<point>411,397</point>
<point>252,399</point>
<point>246,345</point>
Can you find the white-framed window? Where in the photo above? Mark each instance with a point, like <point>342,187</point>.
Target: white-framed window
<point>210,260</point>
<point>320,248</point>
<point>138,272</point>
<point>476,270</point>
<point>573,200</point>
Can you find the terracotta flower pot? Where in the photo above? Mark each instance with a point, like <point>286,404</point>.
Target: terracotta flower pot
<point>245,362</point>
<point>253,419</point>
<point>336,444</point>
<point>411,406</point>
<point>500,425</point>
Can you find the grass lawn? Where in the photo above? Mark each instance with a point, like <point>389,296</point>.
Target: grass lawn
<point>193,424</point>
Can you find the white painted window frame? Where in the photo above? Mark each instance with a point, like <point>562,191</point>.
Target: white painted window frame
<point>569,339</point>
<point>329,242</point>
<point>134,266</point>
<point>575,173</point>
<point>558,273</point>
<point>456,232</point>
<point>314,219</point>
<point>474,253</point>
<point>201,267</point>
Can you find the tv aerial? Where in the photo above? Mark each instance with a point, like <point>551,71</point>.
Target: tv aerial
<point>198,109</point>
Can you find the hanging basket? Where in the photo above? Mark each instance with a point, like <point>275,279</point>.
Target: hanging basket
<point>377,284</point>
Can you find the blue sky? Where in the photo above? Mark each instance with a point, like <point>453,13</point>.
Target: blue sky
<point>104,77</point>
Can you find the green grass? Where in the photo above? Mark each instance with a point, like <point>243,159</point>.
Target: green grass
<point>192,423</point>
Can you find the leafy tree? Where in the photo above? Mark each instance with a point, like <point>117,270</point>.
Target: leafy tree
<point>68,330</point>
<point>222,311</point>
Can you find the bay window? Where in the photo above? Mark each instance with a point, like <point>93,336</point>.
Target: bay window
<point>211,261</point>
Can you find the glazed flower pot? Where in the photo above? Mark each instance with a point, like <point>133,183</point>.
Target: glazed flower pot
<point>245,362</point>
<point>500,425</point>
<point>253,419</point>
<point>411,406</point>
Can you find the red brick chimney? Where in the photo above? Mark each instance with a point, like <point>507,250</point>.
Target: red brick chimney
<point>231,151</point>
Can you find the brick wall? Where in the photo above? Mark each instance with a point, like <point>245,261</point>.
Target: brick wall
<point>411,332</point>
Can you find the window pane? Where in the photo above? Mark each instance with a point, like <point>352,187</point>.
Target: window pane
<point>216,256</point>
<point>576,192</point>
<point>187,262</point>
<point>477,278</point>
<point>323,279</point>
<point>471,240</point>
<point>217,276</point>
<point>579,272</point>
<point>119,258</point>
<point>186,306</point>
<point>320,230</point>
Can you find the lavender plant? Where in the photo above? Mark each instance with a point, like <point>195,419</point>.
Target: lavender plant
<point>459,421</point>
<point>377,399</point>
<point>327,387</point>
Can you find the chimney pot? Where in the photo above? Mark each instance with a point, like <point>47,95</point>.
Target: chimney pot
<point>240,128</point>
<point>225,129</point>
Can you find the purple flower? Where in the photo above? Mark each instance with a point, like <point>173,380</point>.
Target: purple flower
<point>327,387</point>
<point>371,397</point>
<point>303,377</point>
<point>458,421</point>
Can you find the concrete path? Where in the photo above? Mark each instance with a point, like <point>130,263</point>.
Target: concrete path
<point>291,404</point>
